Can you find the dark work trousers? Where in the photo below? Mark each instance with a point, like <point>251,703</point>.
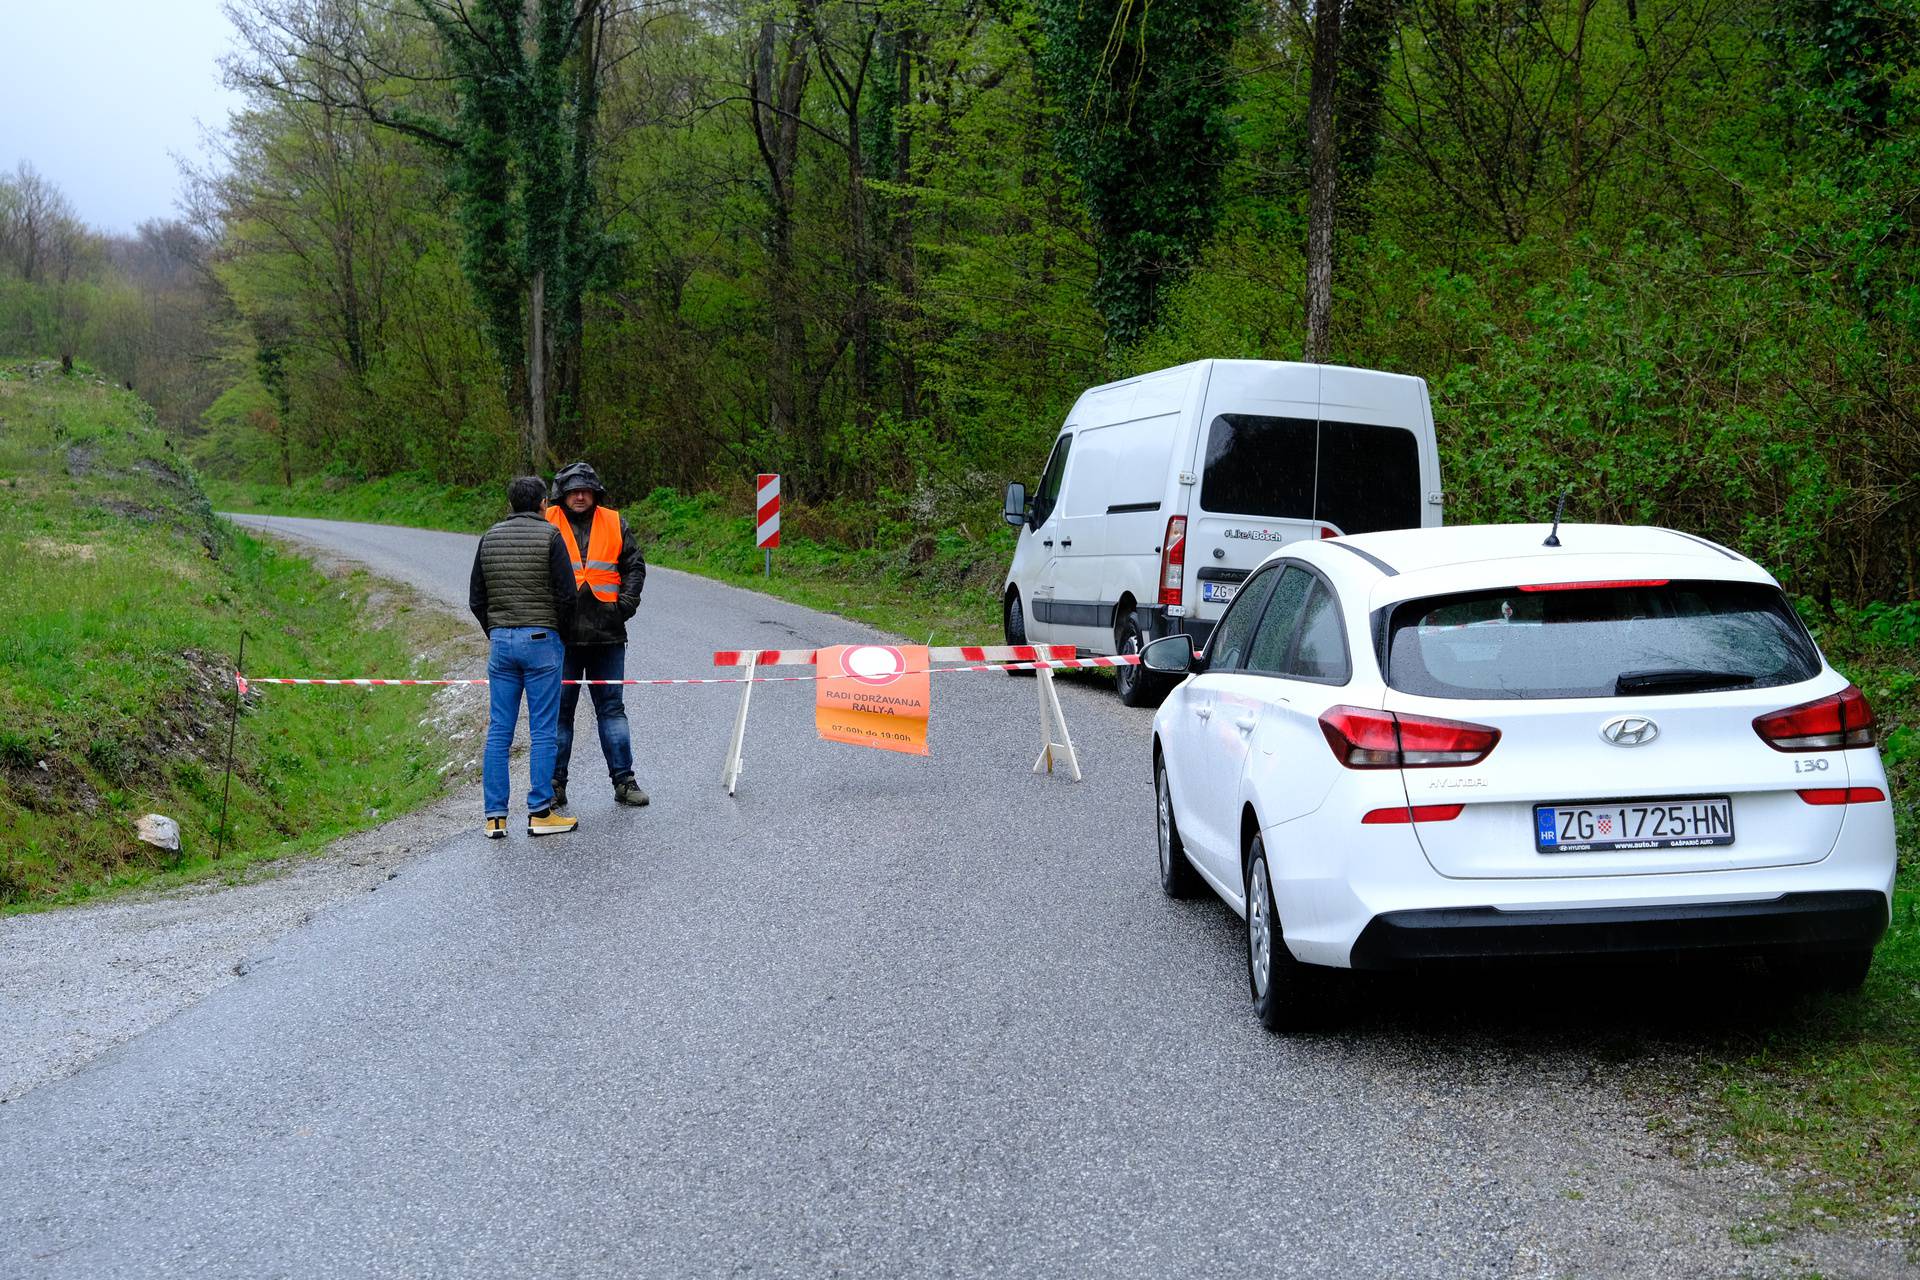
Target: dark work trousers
<point>595,662</point>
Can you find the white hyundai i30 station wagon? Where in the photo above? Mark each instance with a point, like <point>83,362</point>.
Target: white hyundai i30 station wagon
<point>1461,744</point>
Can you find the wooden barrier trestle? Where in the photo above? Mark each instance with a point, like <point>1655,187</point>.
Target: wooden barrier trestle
<point>1054,738</point>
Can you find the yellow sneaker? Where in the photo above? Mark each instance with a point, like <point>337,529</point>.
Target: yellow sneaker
<point>496,828</point>
<point>549,823</point>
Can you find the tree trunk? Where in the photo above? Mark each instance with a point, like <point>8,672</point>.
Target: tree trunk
<point>535,438</point>
<point>582,239</point>
<point>861,252</point>
<point>905,275</point>
<point>775,106</point>
<point>1325,167</point>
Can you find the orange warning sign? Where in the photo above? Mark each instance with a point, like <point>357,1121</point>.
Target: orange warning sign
<point>874,695</point>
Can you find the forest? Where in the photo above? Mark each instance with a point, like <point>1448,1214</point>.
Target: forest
<point>1663,255</point>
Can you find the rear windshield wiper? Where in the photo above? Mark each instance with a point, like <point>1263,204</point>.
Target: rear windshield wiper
<point>1679,680</point>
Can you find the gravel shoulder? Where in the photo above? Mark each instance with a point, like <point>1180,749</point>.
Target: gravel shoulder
<point>76,982</point>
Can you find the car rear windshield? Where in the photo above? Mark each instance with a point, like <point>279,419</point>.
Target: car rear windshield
<point>1602,641</point>
<point>1356,477</point>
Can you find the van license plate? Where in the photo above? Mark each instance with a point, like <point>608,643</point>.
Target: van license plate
<point>1218,592</point>
<point>1668,824</point>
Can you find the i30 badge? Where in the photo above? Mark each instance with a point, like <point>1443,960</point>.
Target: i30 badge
<point>1629,731</point>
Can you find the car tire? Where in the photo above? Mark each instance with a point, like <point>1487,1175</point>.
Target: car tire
<point>1013,624</point>
<point>1178,879</point>
<point>1828,972</point>
<point>1287,995</point>
<point>1136,686</point>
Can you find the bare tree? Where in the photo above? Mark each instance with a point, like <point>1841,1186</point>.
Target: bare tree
<point>41,238</point>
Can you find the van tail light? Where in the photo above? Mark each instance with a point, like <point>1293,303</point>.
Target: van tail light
<point>1839,720</point>
<point>1843,795</point>
<point>1413,813</point>
<point>1173,561</point>
<point>1364,739</point>
<point>1328,531</point>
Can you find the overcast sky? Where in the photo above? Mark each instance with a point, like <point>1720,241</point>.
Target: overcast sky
<point>101,97</point>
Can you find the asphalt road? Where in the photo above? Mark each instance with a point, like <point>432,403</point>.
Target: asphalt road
<point>876,1015</point>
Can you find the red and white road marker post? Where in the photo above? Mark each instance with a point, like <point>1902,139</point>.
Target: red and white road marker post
<point>766,506</point>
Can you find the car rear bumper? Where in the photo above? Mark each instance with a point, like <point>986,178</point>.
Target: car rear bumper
<point>1813,921</point>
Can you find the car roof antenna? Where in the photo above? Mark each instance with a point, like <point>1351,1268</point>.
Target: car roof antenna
<point>1560,509</point>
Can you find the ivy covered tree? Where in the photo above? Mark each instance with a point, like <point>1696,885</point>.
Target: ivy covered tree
<point>1142,94</point>
<point>524,156</point>
<point>520,134</point>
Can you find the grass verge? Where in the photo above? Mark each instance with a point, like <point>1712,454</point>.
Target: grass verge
<point>1829,1093</point>
<point>115,665</point>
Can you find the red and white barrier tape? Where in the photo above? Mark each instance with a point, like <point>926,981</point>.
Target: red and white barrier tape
<point>939,653</point>
<point>1057,664</point>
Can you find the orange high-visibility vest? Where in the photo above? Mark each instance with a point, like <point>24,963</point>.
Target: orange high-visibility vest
<point>601,567</point>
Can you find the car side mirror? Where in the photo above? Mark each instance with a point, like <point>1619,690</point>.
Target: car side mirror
<point>1173,655</point>
<point>1015,510</point>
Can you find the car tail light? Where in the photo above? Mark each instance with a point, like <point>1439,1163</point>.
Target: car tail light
<point>1595,586</point>
<point>1328,531</point>
<point>1414,813</point>
<point>1173,560</point>
<point>1843,795</point>
<point>1826,724</point>
<point>1364,739</point>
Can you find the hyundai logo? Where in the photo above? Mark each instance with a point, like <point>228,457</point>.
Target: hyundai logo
<point>1630,731</point>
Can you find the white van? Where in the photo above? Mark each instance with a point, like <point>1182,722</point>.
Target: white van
<point>1164,491</point>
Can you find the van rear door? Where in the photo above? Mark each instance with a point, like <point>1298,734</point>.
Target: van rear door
<point>1273,466</point>
<point>1255,493</point>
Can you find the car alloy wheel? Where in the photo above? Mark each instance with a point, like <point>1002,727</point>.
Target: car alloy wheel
<point>1287,995</point>
<point>1177,876</point>
<point>1259,930</point>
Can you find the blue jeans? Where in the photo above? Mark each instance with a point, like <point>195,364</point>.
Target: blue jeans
<point>597,662</point>
<point>522,659</point>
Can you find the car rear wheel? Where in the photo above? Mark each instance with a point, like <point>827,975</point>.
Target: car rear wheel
<point>1287,995</point>
<point>1178,879</point>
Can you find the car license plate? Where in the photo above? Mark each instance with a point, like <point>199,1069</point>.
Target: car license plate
<point>1633,824</point>
<point>1218,592</point>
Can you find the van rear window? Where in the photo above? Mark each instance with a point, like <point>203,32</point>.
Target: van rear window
<point>1258,466</point>
<point>1369,478</point>
<point>1358,478</point>
<point>1598,642</point>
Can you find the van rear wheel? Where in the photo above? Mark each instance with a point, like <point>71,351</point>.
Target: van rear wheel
<point>1013,624</point>
<point>1136,686</point>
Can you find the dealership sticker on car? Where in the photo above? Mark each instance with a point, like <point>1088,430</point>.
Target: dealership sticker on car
<point>1669,824</point>
<point>1218,592</point>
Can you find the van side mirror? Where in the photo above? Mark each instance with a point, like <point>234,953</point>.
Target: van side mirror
<point>1015,510</point>
<point>1173,655</point>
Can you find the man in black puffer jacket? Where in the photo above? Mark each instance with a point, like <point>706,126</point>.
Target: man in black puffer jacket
<point>521,590</point>
<point>608,573</point>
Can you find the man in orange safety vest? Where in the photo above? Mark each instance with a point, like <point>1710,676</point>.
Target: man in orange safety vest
<point>608,573</point>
